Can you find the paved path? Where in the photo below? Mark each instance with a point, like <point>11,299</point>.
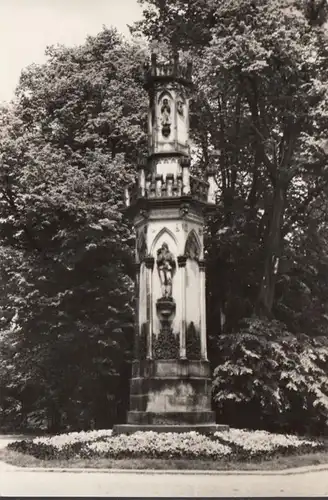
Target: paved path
<point>21,482</point>
<point>26,483</point>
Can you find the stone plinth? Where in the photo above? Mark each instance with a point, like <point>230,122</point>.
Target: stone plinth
<point>201,429</point>
<point>169,394</point>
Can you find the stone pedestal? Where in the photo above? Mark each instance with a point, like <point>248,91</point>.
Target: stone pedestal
<point>170,396</point>
<point>200,428</point>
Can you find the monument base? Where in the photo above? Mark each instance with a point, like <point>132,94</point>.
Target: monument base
<point>170,396</point>
<point>201,428</point>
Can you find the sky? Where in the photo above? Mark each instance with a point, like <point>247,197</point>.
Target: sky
<point>27,27</point>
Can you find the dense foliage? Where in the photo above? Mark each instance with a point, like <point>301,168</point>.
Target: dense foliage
<point>271,379</point>
<point>259,118</point>
<point>67,148</point>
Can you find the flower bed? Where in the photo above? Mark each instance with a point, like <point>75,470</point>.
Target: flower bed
<point>260,443</point>
<point>228,445</point>
<point>138,445</point>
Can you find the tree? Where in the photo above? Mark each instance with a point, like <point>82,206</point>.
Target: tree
<point>67,150</point>
<point>260,75</point>
<point>259,118</point>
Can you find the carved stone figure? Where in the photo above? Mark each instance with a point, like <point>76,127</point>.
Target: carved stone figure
<point>166,118</point>
<point>166,266</point>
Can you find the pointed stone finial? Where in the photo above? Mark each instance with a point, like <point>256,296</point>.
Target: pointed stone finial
<point>212,187</point>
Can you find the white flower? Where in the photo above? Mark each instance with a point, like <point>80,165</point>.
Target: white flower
<point>191,445</point>
<point>185,445</point>
<point>61,440</point>
<point>263,441</point>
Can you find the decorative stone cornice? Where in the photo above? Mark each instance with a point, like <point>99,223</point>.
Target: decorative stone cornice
<point>182,259</point>
<point>174,71</point>
<point>184,210</point>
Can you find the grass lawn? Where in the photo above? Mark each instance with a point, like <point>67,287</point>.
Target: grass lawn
<point>276,463</point>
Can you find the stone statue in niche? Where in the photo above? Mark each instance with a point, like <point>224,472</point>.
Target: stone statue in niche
<point>166,266</point>
<point>166,117</point>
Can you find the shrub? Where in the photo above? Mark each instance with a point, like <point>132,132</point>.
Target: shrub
<point>268,378</point>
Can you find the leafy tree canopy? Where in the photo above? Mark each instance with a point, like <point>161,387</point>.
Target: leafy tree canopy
<point>259,117</point>
<point>68,143</point>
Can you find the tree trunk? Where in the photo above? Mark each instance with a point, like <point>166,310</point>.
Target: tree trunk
<point>272,252</point>
<point>54,420</point>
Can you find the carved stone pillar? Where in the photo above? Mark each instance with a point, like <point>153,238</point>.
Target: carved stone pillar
<point>149,261</point>
<point>211,186</point>
<point>137,288</point>
<point>185,163</point>
<point>142,181</point>
<point>201,264</point>
<point>169,184</point>
<point>159,180</point>
<point>137,329</point>
<point>182,259</point>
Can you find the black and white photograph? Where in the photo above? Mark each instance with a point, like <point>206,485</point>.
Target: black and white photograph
<point>164,248</point>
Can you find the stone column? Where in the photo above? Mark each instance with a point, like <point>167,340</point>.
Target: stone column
<point>142,181</point>
<point>137,329</point>
<point>182,259</point>
<point>169,184</point>
<point>203,346</point>
<point>159,180</point>
<point>185,163</point>
<point>149,261</point>
<point>211,186</point>
<point>137,286</point>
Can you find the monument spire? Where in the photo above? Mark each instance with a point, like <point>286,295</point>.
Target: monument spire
<point>170,387</point>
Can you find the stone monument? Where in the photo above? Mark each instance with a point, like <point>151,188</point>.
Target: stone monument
<point>170,388</point>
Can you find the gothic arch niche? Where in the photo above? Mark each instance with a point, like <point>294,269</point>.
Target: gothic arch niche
<point>181,103</point>
<point>164,93</point>
<point>141,246</point>
<point>165,108</point>
<point>182,119</point>
<point>193,303</point>
<point>163,235</point>
<point>167,239</point>
<point>193,246</point>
